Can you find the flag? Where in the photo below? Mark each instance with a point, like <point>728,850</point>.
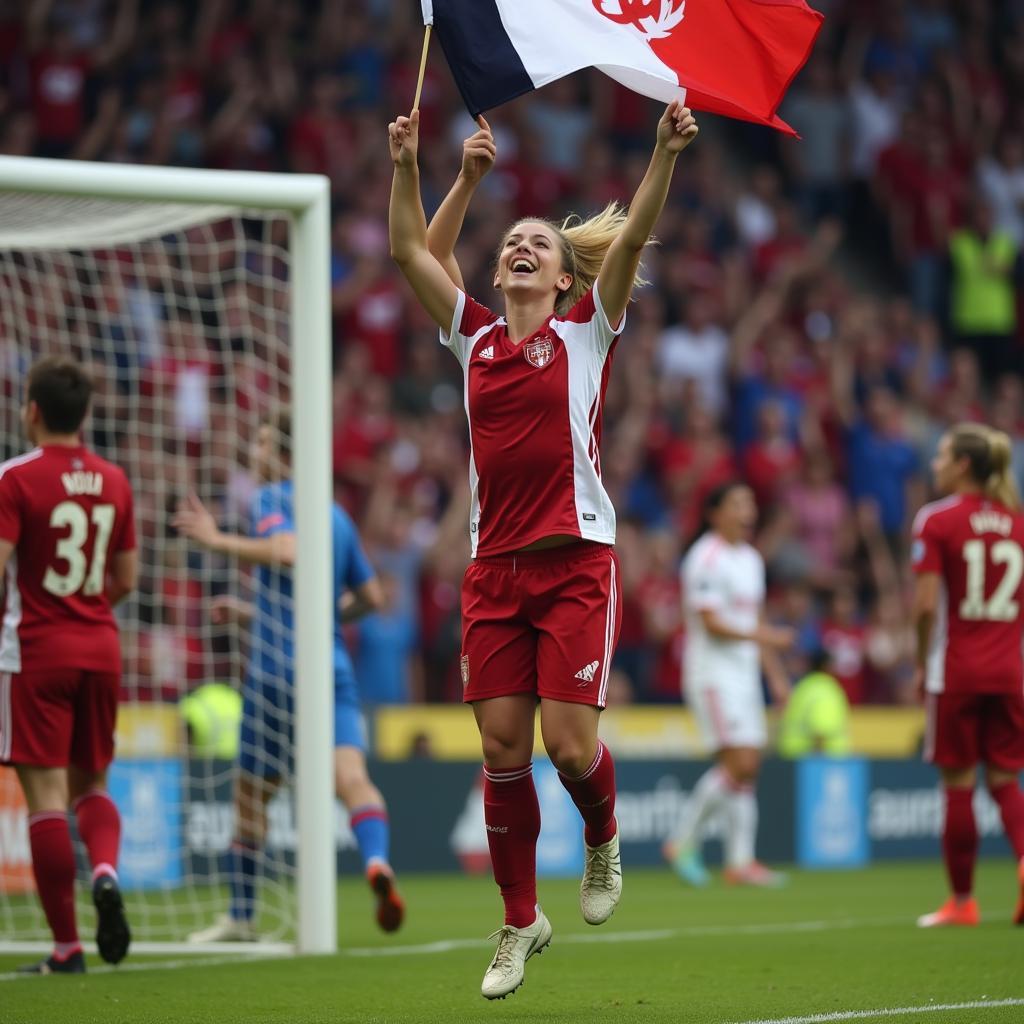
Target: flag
<point>731,57</point>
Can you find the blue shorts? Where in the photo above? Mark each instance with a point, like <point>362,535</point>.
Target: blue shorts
<point>268,710</point>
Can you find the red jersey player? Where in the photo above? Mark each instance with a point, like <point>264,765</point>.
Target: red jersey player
<point>540,602</point>
<point>67,543</point>
<point>968,553</point>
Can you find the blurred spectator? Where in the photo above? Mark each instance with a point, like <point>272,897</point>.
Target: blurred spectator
<point>816,719</point>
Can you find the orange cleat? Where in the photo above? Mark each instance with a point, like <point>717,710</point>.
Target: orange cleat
<point>754,874</point>
<point>1018,917</point>
<point>953,913</point>
<point>390,906</point>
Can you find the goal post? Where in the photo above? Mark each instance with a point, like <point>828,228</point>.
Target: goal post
<point>100,206</point>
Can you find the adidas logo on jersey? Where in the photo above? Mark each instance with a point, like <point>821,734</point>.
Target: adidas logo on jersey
<point>587,673</point>
<point>487,353</point>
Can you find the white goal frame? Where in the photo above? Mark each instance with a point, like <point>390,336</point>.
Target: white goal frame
<point>305,198</point>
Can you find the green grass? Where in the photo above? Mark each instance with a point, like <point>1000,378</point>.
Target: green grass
<point>718,955</point>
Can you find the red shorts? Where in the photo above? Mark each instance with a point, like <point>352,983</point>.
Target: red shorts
<point>58,717</point>
<point>964,729</point>
<point>541,622</point>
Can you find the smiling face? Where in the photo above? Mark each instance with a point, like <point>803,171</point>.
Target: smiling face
<point>531,263</point>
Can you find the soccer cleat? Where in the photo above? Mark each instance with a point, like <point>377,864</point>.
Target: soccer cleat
<point>755,874</point>
<point>226,929</point>
<point>74,964</point>
<point>601,888</point>
<point>515,947</point>
<point>686,862</point>
<point>953,913</point>
<point>390,906</point>
<point>1018,916</point>
<point>113,936</point>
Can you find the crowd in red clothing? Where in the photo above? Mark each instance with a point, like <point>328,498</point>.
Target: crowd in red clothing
<point>798,333</point>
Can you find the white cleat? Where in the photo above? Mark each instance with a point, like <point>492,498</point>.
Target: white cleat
<point>515,947</point>
<point>226,929</point>
<point>601,888</point>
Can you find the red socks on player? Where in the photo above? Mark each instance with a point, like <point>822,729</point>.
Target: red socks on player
<point>512,815</point>
<point>960,839</point>
<point>593,793</point>
<point>99,825</point>
<point>1011,807</point>
<point>53,863</point>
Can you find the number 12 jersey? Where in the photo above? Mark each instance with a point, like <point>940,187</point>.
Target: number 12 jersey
<point>66,511</point>
<point>977,548</point>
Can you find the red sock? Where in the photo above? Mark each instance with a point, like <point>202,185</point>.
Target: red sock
<point>960,839</point>
<point>99,825</point>
<point>593,793</point>
<point>1011,807</point>
<point>512,815</point>
<point>53,863</point>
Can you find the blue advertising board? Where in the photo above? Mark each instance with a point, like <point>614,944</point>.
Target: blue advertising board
<point>832,796</point>
<point>149,795</point>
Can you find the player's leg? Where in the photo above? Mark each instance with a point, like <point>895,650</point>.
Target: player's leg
<point>368,814</point>
<point>683,849</point>
<point>575,604</point>
<point>53,864</point>
<point>96,815</point>
<point>1003,753</point>
<point>35,735</point>
<point>264,753</point>
<point>952,743</point>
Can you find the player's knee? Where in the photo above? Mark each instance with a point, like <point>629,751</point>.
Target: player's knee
<point>570,756</point>
<point>504,749</point>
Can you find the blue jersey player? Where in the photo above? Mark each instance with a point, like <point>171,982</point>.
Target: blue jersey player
<point>266,738</point>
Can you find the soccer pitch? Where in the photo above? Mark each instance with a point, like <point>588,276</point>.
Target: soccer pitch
<point>831,946</point>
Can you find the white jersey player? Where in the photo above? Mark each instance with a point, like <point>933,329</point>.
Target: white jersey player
<point>727,645</point>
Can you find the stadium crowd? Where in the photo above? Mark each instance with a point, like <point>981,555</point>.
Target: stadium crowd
<point>820,310</point>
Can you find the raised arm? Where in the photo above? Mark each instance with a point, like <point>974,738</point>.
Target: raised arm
<point>407,226</point>
<point>195,521</point>
<point>676,130</point>
<point>478,155</point>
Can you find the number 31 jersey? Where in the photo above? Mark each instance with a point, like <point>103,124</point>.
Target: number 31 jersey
<point>977,548</point>
<point>67,512</point>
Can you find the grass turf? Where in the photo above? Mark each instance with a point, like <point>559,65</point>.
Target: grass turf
<point>830,942</point>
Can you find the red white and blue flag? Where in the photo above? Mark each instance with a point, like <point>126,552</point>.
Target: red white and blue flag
<point>731,57</point>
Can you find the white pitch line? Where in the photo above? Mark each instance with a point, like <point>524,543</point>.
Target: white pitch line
<point>660,935</point>
<point>159,965</point>
<point>891,1011</point>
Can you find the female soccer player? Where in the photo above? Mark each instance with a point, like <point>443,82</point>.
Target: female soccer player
<point>727,645</point>
<point>968,553</point>
<point>540,601</point>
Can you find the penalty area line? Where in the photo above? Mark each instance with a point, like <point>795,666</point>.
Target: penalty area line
<point>157,965</point>
<point>887,1011</point>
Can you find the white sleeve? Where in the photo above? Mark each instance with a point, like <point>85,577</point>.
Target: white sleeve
<point>704,590</point>
<point>604,332</point>
<point>453,338</point>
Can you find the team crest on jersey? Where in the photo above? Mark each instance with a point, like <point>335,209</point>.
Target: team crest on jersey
<point>539,353</point>
<point>653,19</point>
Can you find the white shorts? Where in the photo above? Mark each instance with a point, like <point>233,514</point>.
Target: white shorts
<point>730,714</point>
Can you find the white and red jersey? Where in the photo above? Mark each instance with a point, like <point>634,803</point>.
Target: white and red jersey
<point>729,580</point>
<point>534,409</point>
<point>977,548</point>
<point>66,511</point>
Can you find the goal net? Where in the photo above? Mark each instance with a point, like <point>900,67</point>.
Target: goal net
<point>185,314</point>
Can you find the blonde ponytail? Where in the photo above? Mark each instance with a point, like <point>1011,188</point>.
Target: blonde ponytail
<point>988,453</point>
<point>585,243</point>
<point>1000,485</point>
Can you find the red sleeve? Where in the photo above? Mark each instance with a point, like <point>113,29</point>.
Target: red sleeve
<point>474,316</point>
<point>126,538</point>
<point>10,509</point>
<point>926,548</point>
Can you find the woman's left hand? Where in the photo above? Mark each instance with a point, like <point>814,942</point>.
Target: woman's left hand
<point>677,128</point>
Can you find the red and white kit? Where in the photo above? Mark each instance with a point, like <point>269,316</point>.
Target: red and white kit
<point>66,511</point>
<point>534,410</point>
<point>975,673</point>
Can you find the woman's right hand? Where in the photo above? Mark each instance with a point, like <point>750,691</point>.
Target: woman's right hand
<point>478,153</point>
<point>404,138</point>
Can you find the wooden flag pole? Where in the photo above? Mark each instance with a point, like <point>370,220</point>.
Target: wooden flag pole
<point>423,67</point>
